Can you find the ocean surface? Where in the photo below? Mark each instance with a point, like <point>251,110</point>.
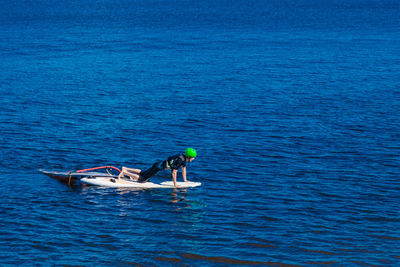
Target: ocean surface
<point>292,106</point>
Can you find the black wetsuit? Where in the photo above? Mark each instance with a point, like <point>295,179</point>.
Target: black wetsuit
<point>172,163</point>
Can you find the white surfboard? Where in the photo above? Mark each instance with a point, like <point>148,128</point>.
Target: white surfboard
<point>112,182</point>
<point>170,184</point>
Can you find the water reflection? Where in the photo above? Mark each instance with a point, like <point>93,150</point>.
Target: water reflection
<point>178,195</point>
<point>128,200</point>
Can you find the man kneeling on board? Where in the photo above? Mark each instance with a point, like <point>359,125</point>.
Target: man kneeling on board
<point>173,163</point>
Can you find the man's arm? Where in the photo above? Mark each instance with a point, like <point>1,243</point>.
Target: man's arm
<point>174,174</point>
<point>184,174</point>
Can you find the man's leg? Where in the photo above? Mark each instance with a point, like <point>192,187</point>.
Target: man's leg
<point>147,174</point>
<point>132,173</point>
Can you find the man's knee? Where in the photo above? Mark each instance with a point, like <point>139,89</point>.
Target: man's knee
<point>142,179</point>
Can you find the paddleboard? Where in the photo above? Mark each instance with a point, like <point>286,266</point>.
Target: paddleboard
<point>112,182</point>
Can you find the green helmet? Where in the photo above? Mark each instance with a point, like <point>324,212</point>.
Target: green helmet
<point>190,153</point>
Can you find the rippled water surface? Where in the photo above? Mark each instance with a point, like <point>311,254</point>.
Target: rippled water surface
<point>293,107</point>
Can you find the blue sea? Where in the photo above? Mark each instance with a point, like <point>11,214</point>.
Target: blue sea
<point>293,107</point>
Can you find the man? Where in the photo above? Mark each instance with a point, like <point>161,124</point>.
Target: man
<point>173,163</point>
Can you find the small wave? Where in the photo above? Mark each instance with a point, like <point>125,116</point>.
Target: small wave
<point>227,260</point>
